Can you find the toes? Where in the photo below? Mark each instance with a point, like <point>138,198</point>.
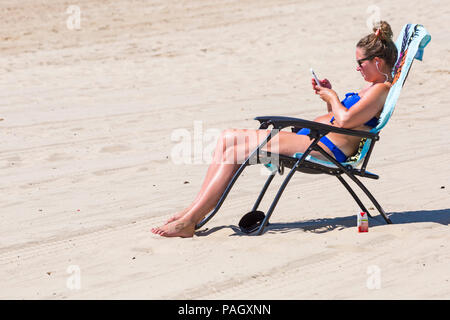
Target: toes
<point>156,230</point>
<point>173,230</point>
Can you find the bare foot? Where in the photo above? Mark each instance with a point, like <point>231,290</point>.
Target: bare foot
<point>179,228</point>
<point>181,214</point>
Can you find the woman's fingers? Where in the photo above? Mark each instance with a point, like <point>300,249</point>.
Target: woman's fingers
<point>314,85</point>
<point>325,83</point>
<point>316,88</point>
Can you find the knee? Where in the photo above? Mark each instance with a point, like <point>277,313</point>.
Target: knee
<point>238,137</point>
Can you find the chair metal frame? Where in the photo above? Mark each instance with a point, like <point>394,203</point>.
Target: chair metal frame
<point>317,130</point>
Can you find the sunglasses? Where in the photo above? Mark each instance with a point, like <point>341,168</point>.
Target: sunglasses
<point>360,61</point>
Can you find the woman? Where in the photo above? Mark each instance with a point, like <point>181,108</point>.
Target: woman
<point>376,55</point>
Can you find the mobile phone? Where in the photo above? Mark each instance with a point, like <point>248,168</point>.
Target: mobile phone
<point>315,77</point>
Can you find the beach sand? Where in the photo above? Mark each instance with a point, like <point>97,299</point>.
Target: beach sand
<point>90,117</point>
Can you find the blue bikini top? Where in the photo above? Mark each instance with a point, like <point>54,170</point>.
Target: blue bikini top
<point>350,99</point>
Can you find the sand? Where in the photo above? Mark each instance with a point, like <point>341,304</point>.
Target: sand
<point>89,121</point>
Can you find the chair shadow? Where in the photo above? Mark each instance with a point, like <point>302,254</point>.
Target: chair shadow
<point>206,232</point>
<point>441,216</point>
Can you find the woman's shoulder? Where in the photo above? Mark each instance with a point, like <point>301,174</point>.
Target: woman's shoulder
<point>377,88</point>
<point>383,86</point>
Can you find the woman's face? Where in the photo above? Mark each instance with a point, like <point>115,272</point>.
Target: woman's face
<point>367,68</point>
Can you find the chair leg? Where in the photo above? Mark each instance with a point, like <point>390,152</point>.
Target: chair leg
<point>284,184</point>
<point>277,197</point>
<point>222,198</point>
<point>263,191</point>
<point>350,190</point>
<point>371,197</point>
<point>359,183</point>
<point>253,155</point>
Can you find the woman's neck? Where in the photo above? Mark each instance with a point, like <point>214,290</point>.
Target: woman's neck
<point>383,79</point>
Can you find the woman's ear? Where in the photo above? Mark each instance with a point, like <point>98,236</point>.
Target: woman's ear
<point>380,62</point>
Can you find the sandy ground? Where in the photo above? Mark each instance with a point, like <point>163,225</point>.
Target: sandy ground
<point>86,167</point>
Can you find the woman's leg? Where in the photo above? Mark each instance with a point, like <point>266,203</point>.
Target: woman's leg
<point>225,139</point>
<point>212,170</point>
<point>220,173</point>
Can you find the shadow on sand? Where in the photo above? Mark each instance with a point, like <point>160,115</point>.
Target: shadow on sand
<point>328,224</point>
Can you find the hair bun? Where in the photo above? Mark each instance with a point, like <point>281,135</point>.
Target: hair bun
<point>383,30</point>
<point>379,44</point>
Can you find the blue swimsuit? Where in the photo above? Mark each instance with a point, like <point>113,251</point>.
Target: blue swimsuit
<point>350,99</point>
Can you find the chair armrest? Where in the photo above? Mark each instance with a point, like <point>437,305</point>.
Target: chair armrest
<point>280,122</point>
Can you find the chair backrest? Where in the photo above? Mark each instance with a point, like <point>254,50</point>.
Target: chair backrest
<point>410,44</point>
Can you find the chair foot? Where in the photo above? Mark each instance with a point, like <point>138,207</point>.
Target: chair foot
<point>251,221</point>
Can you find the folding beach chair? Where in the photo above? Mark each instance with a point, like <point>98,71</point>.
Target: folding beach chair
<point>410,45</point>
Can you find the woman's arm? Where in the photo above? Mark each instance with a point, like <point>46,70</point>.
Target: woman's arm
<point>361,112</point>
<point>329,107</point>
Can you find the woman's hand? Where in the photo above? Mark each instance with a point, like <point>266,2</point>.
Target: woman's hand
<point>326,94</point>
<point>324,83</point>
